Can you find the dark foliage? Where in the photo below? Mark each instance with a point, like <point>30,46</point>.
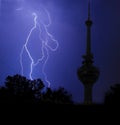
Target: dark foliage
<point>59,96</point>
<point>113,95</point>
<point>20,90</point>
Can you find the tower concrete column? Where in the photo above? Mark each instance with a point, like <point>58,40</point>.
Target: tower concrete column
<point>88,93</point>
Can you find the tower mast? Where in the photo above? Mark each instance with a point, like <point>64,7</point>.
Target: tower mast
<point>88,23</point>
<point>88,74</point>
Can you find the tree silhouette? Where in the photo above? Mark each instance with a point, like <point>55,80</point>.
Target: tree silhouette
<point>18,89</point>
<point>58,96</point>
<point>113,95</point>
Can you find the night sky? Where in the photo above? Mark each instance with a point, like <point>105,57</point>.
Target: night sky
<point>68,28</point>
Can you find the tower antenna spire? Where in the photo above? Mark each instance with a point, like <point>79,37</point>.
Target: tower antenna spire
<point>89,10</point>
<point>88,24</point>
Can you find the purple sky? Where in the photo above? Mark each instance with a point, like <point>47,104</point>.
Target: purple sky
<point>68,28</point>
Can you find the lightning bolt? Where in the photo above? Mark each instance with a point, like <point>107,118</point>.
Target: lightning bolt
<point>45,47</point>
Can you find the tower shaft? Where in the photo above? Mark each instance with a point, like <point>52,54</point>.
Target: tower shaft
<point>88,94</point>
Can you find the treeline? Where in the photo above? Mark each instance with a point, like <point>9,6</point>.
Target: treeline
<point>20,90</point>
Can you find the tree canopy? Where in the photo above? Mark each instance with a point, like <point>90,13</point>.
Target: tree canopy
<point>19,89</point>
<point>113,95</point>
